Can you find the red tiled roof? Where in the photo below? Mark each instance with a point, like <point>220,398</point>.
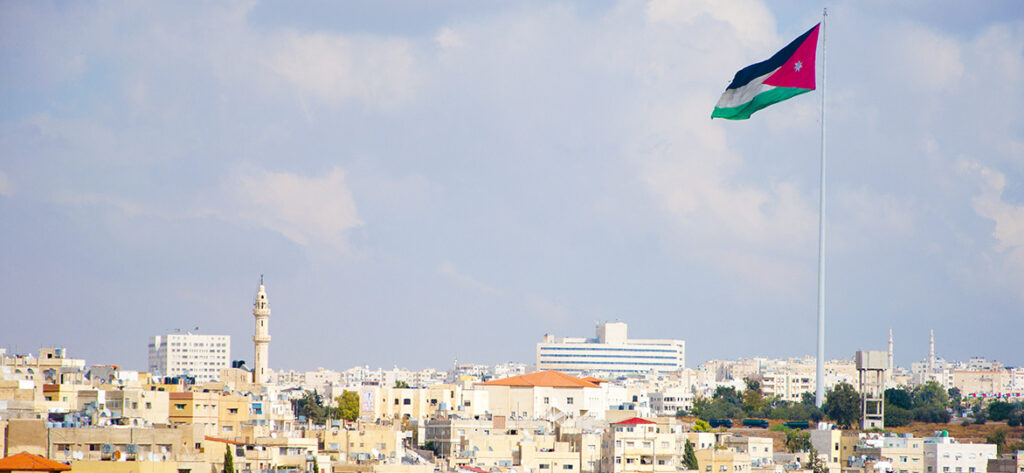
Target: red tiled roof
<point>25,461</point>
<point>634,421</point>
<point>595,380</point>
<point>218,439</point>
<point>548,379</point>
<point>473,468</point>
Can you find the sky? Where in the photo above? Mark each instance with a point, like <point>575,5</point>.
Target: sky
<point>420,182</point>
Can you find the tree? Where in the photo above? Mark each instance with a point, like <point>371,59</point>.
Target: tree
<point>729,395</point>
<point>807,399</point>
<point>798,441</point>
<point>316,465</point>
<point>999,410</point>
<point>897,416</point>
<point>310,406</point>
<point>701,426</point>
<point>229,459</point>
<point>401,384</point>
<point>842,405</point>
<point>899,397</point>
<point>930,393</point>
<point>689,457</point>
<point>998,437</point>
<point>348,405</point>
<point>933,414</point>
<point>814,463</point>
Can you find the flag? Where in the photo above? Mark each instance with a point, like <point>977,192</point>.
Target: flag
<point>790,72</point>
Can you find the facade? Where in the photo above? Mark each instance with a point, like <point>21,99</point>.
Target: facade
<point>610,352</point>
<point>637,445</point>
<point>543,395</point>
<point>180,354</point>
<point>945,455</point>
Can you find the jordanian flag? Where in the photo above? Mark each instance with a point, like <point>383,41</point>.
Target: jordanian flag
<point>788,73</point>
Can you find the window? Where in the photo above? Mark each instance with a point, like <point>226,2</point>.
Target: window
<point>179,407</point>
<point>547,400</point>
<point>707,468</point>
<point>567,466</point>
<point>568,400</point>
<point>406,401</point>
<point>544,466</point>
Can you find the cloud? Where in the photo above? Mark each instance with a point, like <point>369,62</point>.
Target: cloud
<point>6,186</point>
<point>127,207</point>
<point>447,268</point>
<point>306,210</point>
<point>449,38</point>
<point>1008,218</point>
<point>378,72</point>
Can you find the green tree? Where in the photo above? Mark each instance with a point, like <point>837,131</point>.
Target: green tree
<point>689,457</point>
<point>930,393</point>
<point>814,463</point>
<point>842,405</point>
<point>729,395</point>
<point>999,410</point>
<point>899,397</point>
<point>316,466</point>
<point>897,416</point>
<point>997,437</point>
<point>310,406</point>
<point>401,384</point>
<point>348,405</point>
<point>701,426</point>
<point>807,399</point>
<point>229,459</point>
<point>934,414</point>
<point>798,441</point>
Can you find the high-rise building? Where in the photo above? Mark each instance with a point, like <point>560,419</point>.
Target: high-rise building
<point>261,339</point>
<point>201,356</point>
<point>610,352</point>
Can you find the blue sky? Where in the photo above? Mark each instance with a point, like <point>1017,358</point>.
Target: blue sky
<point>420,181</point>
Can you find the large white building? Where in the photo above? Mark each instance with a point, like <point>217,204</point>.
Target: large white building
<point>610,352</point>
<point>202,356</point>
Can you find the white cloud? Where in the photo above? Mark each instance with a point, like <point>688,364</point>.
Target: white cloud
<point>924,59</point>
<point>6,186</point>
<point>447,268</point>
<point>379,72</point>
<point>1008,218</point>
<point>449,38</point>
<point>92,199</point>
<point>750,19</point>
<point>306,210</point>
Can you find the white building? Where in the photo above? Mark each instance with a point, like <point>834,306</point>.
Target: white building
<point>610,352</point>
<point>202,356</point>
<point>945,455</point>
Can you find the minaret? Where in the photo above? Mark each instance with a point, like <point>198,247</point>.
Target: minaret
<point>931,355</point>
<point>261,340</point>
<point>890,351</point>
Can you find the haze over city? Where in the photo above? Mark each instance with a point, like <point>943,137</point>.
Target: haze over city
<point>420,182</point>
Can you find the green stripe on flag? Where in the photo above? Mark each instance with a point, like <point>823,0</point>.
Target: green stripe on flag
<point>762,100</point>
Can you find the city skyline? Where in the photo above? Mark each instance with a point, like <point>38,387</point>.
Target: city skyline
<point>421,183</point>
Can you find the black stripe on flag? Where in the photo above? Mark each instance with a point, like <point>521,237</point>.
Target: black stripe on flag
<point>753,71</point>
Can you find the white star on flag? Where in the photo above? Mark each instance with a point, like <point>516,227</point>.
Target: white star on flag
<point>799,65</point>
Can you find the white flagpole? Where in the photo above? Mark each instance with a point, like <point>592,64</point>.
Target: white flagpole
<point>819,397</point>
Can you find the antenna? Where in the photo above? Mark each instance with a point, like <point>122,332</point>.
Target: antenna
<point>261,279</point>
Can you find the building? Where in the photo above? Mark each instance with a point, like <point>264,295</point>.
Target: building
<point>261,339</point>
<point>942,454</point>
<point>543,395</point>
<point>637,445</point>
<point>610,352</point>
<point>189,354</point>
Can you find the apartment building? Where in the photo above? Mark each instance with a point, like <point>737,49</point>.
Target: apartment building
<point>943,454</point>
<point>639,445</point>
<point>611,351</point>
<point>201,356</point>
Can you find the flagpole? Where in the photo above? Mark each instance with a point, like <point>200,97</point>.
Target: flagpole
<point>819,397</point>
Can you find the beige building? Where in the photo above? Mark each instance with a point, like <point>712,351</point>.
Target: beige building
<point>638,444</point>
<point>195,408</point>
<point>543,395</point>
